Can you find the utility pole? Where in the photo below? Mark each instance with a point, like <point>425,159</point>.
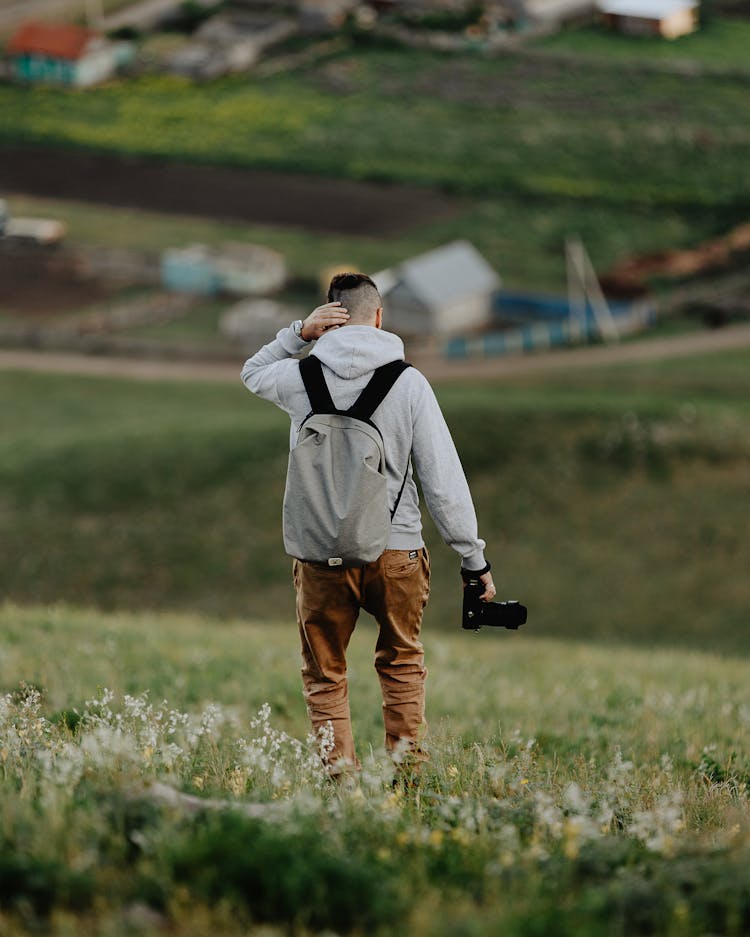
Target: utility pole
<point>584,289</point>
<point>576,294</point>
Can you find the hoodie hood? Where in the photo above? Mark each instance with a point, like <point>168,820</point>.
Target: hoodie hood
<point>354,350</point>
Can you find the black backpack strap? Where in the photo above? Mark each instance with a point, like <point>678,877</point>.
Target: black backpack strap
<point>401,490</point>
<point>382,380</point>
<point>377,389</point>
<point>311,371</point>
<point>373,395</point>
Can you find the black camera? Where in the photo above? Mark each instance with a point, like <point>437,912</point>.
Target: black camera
<point>510,614</point>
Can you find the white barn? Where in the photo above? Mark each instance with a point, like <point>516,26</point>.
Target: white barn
<point>667,18</point>
<point>446,291</point>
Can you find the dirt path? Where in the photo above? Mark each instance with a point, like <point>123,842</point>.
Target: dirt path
<point>435,368</point>
<point>16,11</point>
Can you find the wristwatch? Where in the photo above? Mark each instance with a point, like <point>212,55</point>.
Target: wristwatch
<point>297,329</point>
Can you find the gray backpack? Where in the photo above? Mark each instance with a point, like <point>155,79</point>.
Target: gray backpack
<point>336,507</point>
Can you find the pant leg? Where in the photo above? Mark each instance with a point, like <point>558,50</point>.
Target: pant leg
<point>327,610</point>
<point>396,589</point>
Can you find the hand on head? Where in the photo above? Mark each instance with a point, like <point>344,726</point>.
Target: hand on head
<point>325,317</point>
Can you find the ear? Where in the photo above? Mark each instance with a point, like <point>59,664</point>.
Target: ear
<point>379,318</point>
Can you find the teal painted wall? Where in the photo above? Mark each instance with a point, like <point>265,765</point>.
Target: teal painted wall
<point>34,68</point>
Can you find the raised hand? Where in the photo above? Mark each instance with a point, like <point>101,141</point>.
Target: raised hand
<point>325,317</point>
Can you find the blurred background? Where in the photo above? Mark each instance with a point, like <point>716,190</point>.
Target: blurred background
<point>554,197</point>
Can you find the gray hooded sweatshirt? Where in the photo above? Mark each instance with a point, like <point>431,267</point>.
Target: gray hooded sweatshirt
<point>413,428</point>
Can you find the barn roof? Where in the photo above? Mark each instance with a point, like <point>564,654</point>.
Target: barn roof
<point>54,40</point>
<point>645,9</point>
<point>442,275</point>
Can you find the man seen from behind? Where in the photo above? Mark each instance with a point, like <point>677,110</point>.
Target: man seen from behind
<point>351,344</point>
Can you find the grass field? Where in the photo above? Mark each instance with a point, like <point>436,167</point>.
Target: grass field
<point>524,240</point>
<point>474,127</point>
<point>571,790</point>
<point>610,499</point>
<point>719,43</point>
<point>538,149</point>
<point>589,774</point>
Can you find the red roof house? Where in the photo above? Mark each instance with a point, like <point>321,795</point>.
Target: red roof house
<point>52,40</point>
<point>60,53</point>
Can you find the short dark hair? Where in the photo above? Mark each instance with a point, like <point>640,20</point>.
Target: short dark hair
<point>346,282</point>
<point>358,294</point>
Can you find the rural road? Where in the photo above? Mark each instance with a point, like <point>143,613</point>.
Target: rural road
<point>434,367</point>
<point>142,15</point>
<point>14,12</point>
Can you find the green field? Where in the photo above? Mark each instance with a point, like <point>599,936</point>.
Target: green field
<point>610,499</point>
<point>718,44</point>
<point>474,126</point>
<point>588,774</point>
<point>536,148</point>
<point>571,791</point>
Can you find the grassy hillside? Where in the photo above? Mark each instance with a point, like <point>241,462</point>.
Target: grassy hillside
<point>570,792</point>
<point>538,148</point>
<point>610,499</point>
<point>719,43</point>
<point>474,126</point>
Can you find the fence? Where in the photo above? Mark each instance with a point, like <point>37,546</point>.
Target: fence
<point>535,323</point>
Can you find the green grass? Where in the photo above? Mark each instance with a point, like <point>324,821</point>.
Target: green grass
<point>719,43</point>
<point>523,240</point>
<point>538,149</point>
<point>609,498</point>
<point>570,790</point>
<point>620,154</point>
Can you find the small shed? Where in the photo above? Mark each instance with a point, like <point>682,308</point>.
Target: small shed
<point>240,269</point>
<point>190,270</point>
<point>667,18</point>
<point>446,291</point>
<point>230,42</point>
<point>249,269</point>
<point>63,54</point>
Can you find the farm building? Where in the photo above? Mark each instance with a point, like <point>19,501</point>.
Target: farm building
<point>61,53</point>
<point>229,42</point>
<point>445,291</point>
<point>667,18</point>
<point>241,269</point>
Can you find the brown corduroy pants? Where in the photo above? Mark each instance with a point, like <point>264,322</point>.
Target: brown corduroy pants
<point>394,590</point>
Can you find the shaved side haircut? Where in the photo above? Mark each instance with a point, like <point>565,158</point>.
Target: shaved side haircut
<point>357,294</point>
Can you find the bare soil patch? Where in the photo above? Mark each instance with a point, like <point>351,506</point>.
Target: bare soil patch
<point>43,282</point>
<point>329,205</point>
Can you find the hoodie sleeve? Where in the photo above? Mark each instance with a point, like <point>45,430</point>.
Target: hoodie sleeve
<point>444,484</point>
<point>265,373</point>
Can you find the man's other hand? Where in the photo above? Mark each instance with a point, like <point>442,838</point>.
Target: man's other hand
<point>489,588</point>
<point>325,317</point>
